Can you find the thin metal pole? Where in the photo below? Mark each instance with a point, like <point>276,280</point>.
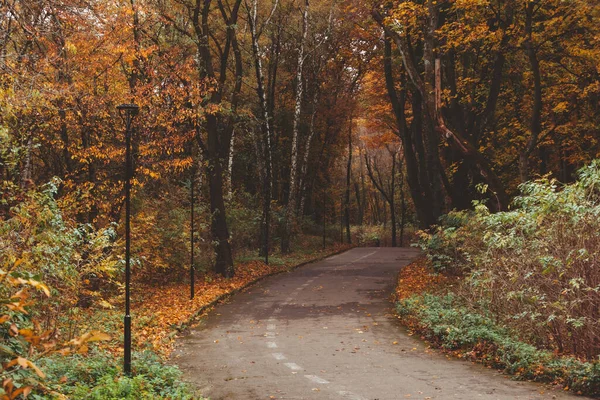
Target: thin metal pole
<point>324,213</point>
<point>342,220</point>
<point>127,319</point>
<point>267,201</point>
<point>192,237</point>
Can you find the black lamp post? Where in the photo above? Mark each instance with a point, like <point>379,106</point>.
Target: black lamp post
<point>324,214</point>
<point>192,278</point>
<point>128,113</point>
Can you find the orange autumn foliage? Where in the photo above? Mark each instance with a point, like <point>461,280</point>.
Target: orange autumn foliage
<point>416,278</point>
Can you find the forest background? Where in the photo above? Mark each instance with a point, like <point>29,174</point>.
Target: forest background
<point>299,123</point>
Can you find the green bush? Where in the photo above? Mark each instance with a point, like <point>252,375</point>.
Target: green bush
<point>535,267</point>
<point>99,376</point>
<point>63,251</point>
<point>370,235</point>
<point>445,244</point>
<point>448,322</point>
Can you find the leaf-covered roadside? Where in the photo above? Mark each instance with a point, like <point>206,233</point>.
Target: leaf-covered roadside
<point>89,366</point>
<point>168,309</point>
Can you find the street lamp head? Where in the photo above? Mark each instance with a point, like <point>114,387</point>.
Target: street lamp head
<point>128,112</point>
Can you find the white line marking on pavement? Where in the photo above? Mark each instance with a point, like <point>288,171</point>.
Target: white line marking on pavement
<point>353,261</point>
<point>350,395</point>
<point>272,345</point>
<point>316,379</point>
<point>271,327</point>
<point>289,299</point>
<point>293,366</point>
<point>278,356</point>
<point>365,256</point>
<point>305,285</point>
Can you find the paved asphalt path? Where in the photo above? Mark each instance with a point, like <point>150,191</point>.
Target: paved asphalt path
<point>327,331</point>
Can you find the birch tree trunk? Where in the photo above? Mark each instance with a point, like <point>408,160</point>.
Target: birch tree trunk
<point>230,167</point>
<point>293,192</point>
<point>265,128</point>
<point>348,180</point>
<point>311,135</point>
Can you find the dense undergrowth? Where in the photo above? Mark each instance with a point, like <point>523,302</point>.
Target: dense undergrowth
<point>526,296</point>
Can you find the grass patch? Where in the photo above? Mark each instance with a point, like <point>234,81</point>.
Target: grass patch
<point>99,376</point>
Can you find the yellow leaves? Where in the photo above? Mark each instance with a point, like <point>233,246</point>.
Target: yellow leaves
<point>26,333</point>
<point>212,109</point>
<point>149,172</point>
<point>19,281</point>
<point>80,344</point>
<point>94,336</point>
<point>561,107</point>
<point>38,285</point>
<point>11,392</point>
<point>71,47</point>
<point>470,4</point>
<point>105,304</point>
<point>407,15</point>
<point>25,363</point>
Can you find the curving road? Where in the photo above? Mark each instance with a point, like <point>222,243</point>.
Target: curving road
<point>327,331</point>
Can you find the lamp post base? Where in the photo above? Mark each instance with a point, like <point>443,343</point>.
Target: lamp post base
<point>127,346</point>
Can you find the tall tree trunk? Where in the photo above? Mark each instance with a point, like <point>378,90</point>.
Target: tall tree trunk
<point>429,86</point>
<point>293,190</point>
<point>348,180</point>
<point>342,219</point>
<point>376,209</point>
<point>387,190</point>
<point>535,125</point>
<point>219,230</point>
<point>413,149</point>
<point>64,135</point>
<point>271,98</point>
<point>265,129</point>
<point>219,127</point>
<point>392,200</point>
<point>402,210</point>
<point>307,147</point>
<point>385,215</point>
<point>359,204</point>
<point>91,172</point>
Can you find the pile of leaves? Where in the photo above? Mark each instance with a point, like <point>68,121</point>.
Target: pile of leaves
<point>416,277</point>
